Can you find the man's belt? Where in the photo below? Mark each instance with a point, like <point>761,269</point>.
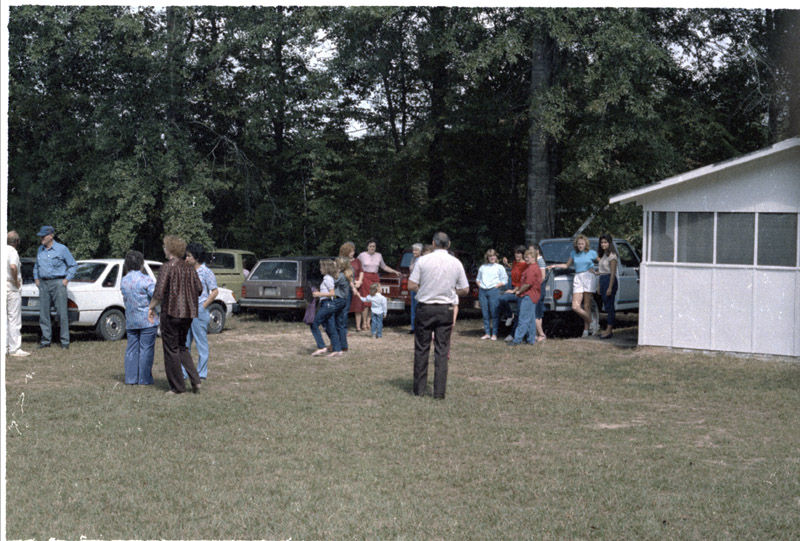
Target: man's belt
<point>55,278</point>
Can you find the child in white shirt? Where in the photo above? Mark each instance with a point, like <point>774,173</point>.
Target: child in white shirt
<point>379,309</point>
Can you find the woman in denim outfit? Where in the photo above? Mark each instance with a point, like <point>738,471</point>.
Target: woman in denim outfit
<point>137,291</point>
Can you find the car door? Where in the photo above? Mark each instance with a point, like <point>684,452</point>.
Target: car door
<point>628,276</point>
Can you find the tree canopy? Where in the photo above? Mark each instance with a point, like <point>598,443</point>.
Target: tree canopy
<point>292,129</point>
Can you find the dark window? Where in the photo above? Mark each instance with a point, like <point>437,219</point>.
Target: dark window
<point>663,237</point>
<point>777,239</point>
<point>695,237</point>
<point>27,272</point>
<point>627,257</point>
<point>89,272</point>
<point>736,233</point>
<point>218,260</point>
<point>111,277</point>
<point>248,262</point>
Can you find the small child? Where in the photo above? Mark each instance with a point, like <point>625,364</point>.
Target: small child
<point>379,309</point>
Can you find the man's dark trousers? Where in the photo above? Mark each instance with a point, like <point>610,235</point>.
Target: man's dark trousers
<point>437,319</point>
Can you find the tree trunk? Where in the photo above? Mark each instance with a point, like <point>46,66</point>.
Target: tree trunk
<point>540,209</point>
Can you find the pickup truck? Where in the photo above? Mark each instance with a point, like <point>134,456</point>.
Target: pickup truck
<point>557,288</point>
<point>395,288</point>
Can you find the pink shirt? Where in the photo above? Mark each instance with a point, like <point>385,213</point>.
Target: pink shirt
<point>371,263</point>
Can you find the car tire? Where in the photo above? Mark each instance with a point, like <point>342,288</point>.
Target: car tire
<point>216,321</point>
<point>111,325</point>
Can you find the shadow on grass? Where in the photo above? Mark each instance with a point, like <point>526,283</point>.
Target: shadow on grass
<point>403,384</point>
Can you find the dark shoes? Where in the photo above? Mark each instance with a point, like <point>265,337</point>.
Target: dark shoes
<point>64,346</point>
<point>42,346</point>
<point>195,388</point>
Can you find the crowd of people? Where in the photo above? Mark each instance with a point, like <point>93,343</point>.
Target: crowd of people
<point>185,288</point>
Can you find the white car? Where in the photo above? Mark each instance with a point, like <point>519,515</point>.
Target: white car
<point>94,299</point>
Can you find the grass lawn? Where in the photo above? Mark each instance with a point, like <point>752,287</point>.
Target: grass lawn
<point>565,439</point>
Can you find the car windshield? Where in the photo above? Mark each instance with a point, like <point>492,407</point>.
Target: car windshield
<point>89,272</point>
<point>275,270</point>
<point>217,260</point>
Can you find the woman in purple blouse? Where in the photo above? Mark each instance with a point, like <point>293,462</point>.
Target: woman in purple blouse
<point>137,291</point>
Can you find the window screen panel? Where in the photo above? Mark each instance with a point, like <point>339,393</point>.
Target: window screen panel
<point>695,237</point>
<point>777,239</point>
<point>736,235</point>
<point>663,236</point>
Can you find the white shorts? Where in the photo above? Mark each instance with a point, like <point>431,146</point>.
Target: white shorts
<point>584,282</point>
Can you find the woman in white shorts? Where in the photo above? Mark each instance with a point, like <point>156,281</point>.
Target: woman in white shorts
<point>584,284</point>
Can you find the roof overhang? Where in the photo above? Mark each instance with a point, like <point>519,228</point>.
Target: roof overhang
<point>639,193</point>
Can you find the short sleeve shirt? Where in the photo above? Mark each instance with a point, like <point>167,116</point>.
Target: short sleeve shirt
<point>604,265</point>
<point>12,259</point>
<point>438,274</point>
<point>583,260</point>
<point>208,280</point>
<point>137,290</point>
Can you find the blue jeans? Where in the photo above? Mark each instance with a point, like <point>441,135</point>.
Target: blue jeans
<point>326,315</point>
<point>527,321</point>
<point>608,301</point>
<point>139,356</point>
<point>53,291</point>
<point>489,299</point>
<point>377,324</point>
<point>508,303</point>
<point>199,332</point>
<point>342,305</point>
<point>413,307</point>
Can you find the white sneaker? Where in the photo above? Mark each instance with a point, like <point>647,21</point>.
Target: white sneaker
<point>509,338</point>
<point>510,320</point>
<point>585,334</point>
<point>19,353</point>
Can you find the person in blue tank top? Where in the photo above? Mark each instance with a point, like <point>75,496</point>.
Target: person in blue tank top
<point>584,284</point>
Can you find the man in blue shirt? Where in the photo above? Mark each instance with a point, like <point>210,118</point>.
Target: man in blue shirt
<point>53,270</point>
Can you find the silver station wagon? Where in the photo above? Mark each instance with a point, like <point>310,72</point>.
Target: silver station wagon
<point>281,284</point>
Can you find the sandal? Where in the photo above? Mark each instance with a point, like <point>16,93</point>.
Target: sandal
<point>319,352</point>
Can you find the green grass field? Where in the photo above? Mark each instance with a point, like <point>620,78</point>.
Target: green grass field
<point>570,439</point>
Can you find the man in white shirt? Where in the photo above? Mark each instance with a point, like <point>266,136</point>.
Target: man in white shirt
<point>439,279</point>
<point>14,297</point>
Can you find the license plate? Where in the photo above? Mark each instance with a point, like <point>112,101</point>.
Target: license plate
<point>269,291</point>
<point>33,303</point>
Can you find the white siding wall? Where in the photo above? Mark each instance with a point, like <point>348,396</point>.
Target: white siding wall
<point>738,310</point>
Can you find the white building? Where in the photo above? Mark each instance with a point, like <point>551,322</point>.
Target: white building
<point>721,255</point>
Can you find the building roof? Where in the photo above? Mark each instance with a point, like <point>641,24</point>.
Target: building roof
<point>632,195</point>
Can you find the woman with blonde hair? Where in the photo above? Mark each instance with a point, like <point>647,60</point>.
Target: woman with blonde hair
<point>584,283</point>
<point>326,311</point>
<point>492,277</point>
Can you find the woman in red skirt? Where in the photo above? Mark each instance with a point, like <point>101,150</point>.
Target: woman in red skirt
<point>371,262</point>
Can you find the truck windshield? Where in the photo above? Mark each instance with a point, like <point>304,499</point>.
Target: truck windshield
<point>558,251</point>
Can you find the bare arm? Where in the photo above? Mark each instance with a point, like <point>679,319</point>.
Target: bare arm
<point>211,296</point>
<point>413,286</point>
<point>15,275</point>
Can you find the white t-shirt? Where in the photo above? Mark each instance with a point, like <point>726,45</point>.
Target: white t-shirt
<point>13,259</point>
<point>438,274</point>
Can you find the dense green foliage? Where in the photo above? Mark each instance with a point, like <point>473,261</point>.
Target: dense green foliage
<point>288,130</point>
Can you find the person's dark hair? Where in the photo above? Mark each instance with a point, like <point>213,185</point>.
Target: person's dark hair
<point>441,240</point>
<point>134,260</point>
<point>520,249</point>
<point>198,251</point>
<point>538,248</point>
<point>372,241</point>
<point>611,248</point>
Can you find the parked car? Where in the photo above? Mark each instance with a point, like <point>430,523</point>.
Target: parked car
<point>281,284</point>
<point>94,299</point>
<point>231,267</point>
<point>557,288</point>
<point>395,288</point>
